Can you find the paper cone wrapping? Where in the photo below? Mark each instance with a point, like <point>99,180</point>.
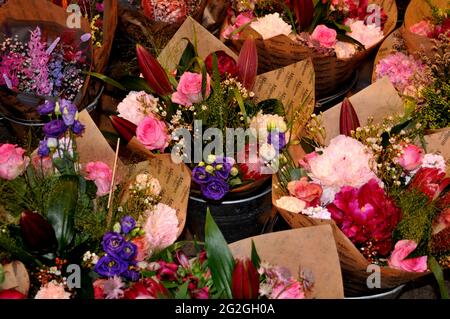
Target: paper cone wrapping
<point>110,17</point>
<point>16,277</point>
<point>312,249</point>
<point>368,102</point>
<point>175,179</point>
<point>417,11</point>
<point>52,19</point>
<point>293,85</point>
<point>331,72</point>
<point>154,34</point>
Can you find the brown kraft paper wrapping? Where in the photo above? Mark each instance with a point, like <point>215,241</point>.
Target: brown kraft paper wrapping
<point>417,11</point>
<point>16,277</point>
<point>368,102</point>
<point>310,249</point>
<point>110,17</point>
<point>331,72</point>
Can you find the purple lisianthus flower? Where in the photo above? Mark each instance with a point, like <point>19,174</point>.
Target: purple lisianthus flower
<point>128,251</point>
<point>43,150</point>
<point>47,108</point>
<point>113,243</point>
<point>68,111</point>
<point>131,275</point>
<point>200,175</point>
<point>54,128</point>
<point>109,266</point>
<point>77,127</point>
<point>277,140</point>
<point>215,189</point>
<point>127,224</point>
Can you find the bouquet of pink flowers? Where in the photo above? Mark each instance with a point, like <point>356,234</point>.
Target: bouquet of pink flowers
<point>385,194</point>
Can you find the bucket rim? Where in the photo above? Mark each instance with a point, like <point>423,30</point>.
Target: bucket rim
<point>237,201</point>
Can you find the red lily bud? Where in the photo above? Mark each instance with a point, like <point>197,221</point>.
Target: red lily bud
<point>11,294</point>
<point>245,280</point>
<point>37,233</point>
<point>430,181</point>
<point>153,72</point>
<point>248,63</point>
<point>349,119</point>
<point>304,12</point>
<point>125,128</point>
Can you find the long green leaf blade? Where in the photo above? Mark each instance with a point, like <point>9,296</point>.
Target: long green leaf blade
<point>107,80</point>
<point>255,257</point>
<point>439,275</point>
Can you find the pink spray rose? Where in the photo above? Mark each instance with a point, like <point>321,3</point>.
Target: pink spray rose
<point>152,133</point>
<point>398,257</point>
<point>189,90</point>
<point>101,174</point>
<point>308,192</point>
<point>325,36</point>
<point>411,158</point>
<point>423,28</point>
<point>12,161</point>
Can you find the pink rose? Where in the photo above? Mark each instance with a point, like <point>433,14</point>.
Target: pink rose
<point>308,192</point>
<point>189,90</point>
<point>325,36</point>
<point>12,161</point>
<point>402,250</point>
<point>304,162</point>
<point>411,158</point>
<point>423,28</point>
<point>101,174</point>
<point>152,133</point>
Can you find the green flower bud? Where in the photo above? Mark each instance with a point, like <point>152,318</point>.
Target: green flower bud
<point>234,171</point>
<point>210,169</point>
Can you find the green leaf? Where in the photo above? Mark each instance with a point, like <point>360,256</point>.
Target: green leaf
<point>255,257</point>
<point>220,259</point>
<point>135,83</point>
<point>342,27</point>
<point>182,293</point>
<point>107,80</point>
<point>2,274</point>
<point>61,209</point>
<point>9,245</point>
<point>235,181</point>
<point>240,101</point>
<point>186,58</point>
<point>439,275</point>
<point>272,106</point>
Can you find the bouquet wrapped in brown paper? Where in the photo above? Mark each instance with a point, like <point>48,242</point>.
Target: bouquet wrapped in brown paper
<point>42,58</point>
<point>371,188</point>
<point>337,36</point>
<point>235,98</point>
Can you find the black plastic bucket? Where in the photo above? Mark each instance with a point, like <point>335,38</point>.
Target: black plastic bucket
<point>237,219</point>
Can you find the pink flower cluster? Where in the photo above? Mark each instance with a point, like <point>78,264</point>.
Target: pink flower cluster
<point>13,162</point>
<point>279,284</point>
<point>101,174</point>
<point>427,29</point>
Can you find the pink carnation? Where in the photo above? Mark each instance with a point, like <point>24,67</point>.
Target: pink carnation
<point>152,133</point>
<point>411,157</point>
<point>101,174</point>
<point>325,36</point>
<point>52,291</point>
<point>423,28</point>
<point>12,161</point>
<point>402,250</point>
<point>161,227</point>
<point>136,106</point>
<point>189,90</point>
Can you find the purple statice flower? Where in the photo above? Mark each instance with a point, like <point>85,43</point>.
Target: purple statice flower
<point>128,251</point>
<point>200,175</point>
<point>77,127</point>
<point>132,275</point>
<point>113,243</point>
<point>55,128</point>
<point>48,107</point>
<point>215,189</point>
<point>127,224</point>
<point>68,111</point>
<point>43,150</point>
<point>277,140</point>
<point>38,70</point>
<point>109,266</point>
<point>56,72</point>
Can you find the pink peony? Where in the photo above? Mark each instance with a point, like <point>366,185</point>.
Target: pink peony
<point>152,133</point>
<point>366,214</point>
<point>189,90</point>
<point>325,36</point>
<point>52,291</point>
<point>304,162</point>
<point>101,174</point>
<point>423,28</point>
<point>308,192</point>
<point>402,250</point>
<point>411,157</point>
<point>12,161</point>
<point>241,19</point>
<point>136,106</point>
<point>161,227</point>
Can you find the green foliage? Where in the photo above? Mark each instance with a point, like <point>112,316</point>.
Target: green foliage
<point>220,259</point>
<point>2,274</point>
<point>439,275</point>
<point>435,112</point>
<point>255,257</point>
<point>416,223</point>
